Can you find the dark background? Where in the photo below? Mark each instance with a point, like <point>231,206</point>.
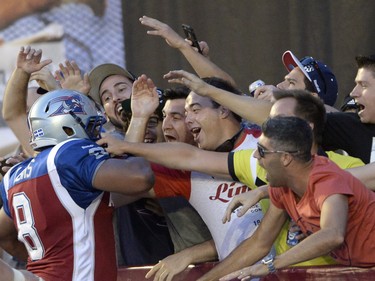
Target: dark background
<point>247,37</point>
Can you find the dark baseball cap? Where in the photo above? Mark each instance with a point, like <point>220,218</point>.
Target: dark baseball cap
<point>98,74</point>
<point>318,73</point>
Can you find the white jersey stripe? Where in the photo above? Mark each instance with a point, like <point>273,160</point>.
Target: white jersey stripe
<point>82,221</point>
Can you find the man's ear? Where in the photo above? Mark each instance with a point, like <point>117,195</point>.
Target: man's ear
<point>224,112</point>
<point>286,159</point>
<point>315,94</point>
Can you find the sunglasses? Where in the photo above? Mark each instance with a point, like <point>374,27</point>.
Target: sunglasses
<point>263,151</point>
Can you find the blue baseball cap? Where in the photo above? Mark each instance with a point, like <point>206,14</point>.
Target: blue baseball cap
<point>318,73</point>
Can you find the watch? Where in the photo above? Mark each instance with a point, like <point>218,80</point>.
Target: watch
<point>268,261</point>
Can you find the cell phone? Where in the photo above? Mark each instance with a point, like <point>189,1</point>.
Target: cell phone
<point>190,34</point>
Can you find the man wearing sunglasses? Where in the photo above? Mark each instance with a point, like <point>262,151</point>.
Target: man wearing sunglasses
<point>332,207</point>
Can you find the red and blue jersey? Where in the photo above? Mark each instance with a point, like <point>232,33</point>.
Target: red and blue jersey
<point>64,222</point>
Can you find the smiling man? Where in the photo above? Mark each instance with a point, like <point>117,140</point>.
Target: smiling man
<point>215,128</point>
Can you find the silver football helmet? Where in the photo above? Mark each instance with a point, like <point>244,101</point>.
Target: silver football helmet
<point>64,114</point>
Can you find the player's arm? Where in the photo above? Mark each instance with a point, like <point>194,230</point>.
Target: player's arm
<point>130,176</point>
<point>179,156</point>
<point>170,266</point>
<point>8,237</point>
<point>253,248</point>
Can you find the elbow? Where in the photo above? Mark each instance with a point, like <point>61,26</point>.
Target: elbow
<point>339,240</point>
<point>147,178</point>
<point>336,239</point>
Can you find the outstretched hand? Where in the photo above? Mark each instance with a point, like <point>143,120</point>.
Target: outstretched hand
<point>188,79</point>
<point>7,163</point>
<point>29,60</point>
<point>265,92</point>
<point>246,200</point>
<point>70,77</point>
<point>169,267</point>
<point>161,29</point>
<point>112,144</point>
<point>45,79</point>
<point>145,98</point>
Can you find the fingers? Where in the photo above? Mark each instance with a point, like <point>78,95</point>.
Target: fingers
<point>65,69</point>
<point>177,76</point>
<point>102,141</point>
<point>59,76</point>
<point>160,273</point>
<point>231,276</point>
<point>45,62</point>
<point>86,84</point>
<point>153,270</point>
<point>232,206</point>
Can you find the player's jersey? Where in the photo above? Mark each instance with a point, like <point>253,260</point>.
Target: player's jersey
<point>64,222</point>
<point>210,196</point>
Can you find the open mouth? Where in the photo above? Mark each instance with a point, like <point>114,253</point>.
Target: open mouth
<point>119,109</point>
<point>169,138</point>
<point>360,107</point>
<point>149,140</point>
<point>195,132</point>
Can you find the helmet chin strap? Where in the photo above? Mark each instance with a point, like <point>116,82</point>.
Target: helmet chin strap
<point>78,119</point>
<point>85,127</point>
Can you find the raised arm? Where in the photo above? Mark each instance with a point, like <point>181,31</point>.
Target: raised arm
<point>179,156</point>
<point>144,101</point>
<point>249,108</point>
<point>15,96</point>
<point>201,64</point>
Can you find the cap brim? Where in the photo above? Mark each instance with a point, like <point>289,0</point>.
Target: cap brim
<point>290,62</point>
<point>101,72</point>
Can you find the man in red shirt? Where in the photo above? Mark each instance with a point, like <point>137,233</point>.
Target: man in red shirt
<point>333,208</point>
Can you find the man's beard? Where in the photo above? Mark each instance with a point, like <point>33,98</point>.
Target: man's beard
<point>125,118</point>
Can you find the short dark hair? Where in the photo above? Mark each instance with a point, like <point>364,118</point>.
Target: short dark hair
<point>366,62</point>
<point>226,86</point>
<point>308,107</point>
<point>180,92</point>
<point>289,133</point>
